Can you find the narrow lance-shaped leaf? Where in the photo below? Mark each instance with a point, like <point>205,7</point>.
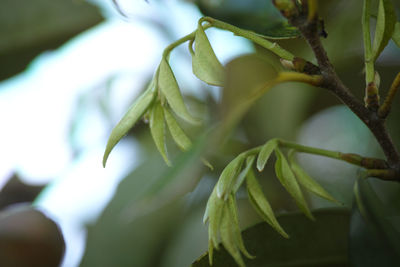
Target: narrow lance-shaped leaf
<point>385,24</point>
<point>306,181</point>
<point>243,173</point>
<point>228,236</point>
<point>227,177</point>
<point>215,209</point>
<point>261,204</point>
<point>157,129</point>
<point>179,136</point>
<point>235,226</point>
<point>205,63</point>
<point>135,112</point>
<point>265,153</point>
<point>396,34</point>
<point>288,180</point>
<point>169,87</point>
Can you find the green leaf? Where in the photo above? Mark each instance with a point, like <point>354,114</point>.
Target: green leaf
<point>322,243</point>
<point>148,206</point>
<point>169,87</point>
<point>309,183</point>
<point>157,129</point>
<point>214,209</point>
<point>229,235</point>
<point>396,34</point>
<point>179,136</point>
<point>385,24</point>
<point>288,180</point>
<point>227,179</point>
<point>205,63</point>
<point>261,204</point>
<point>265,153</point>
<point>235,225</point>
<point>135,112</point>
<point>243,173</point>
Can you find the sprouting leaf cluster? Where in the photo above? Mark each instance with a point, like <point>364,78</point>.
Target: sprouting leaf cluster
<point>221,210</point>
<point>162,101</point>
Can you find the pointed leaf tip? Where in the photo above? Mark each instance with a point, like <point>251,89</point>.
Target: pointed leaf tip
<point>179,136</point>
<point>134,113</point>
<point>287,178</point>
<point>265,153</point>
<point>261,204</point>
<point>169,87</point>
<point>157,130</point>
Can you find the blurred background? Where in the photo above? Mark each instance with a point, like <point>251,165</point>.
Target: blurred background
<point>69,69</point>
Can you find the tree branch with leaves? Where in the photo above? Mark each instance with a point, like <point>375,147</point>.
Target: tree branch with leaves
<point>162,104</point>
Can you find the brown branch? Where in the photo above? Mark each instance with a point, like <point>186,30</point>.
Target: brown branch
<point>333,83</point>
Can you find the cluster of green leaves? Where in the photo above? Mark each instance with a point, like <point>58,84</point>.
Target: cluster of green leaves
<point>163,99</point>
<point>162,102</point>
<point>221,210</point>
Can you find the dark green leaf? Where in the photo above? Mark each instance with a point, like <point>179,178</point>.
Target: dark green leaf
<point>135,112</point>
<point>169,87</point>
<point>385,24</point>
<point>319,243</point>
<point>205,63</point>
<point>375,228</point>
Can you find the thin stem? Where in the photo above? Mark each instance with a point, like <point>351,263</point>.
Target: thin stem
<point>368,163</point>
<point>189,37</point>
<point>384,110</point>
<point>273,47</point>
<point>311,150</point>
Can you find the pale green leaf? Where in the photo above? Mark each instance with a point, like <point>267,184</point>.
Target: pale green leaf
<point>169,87</point>
<point>205,63</point>
<point>309,183</point>
<point>179,136</point>
<point>228,177</point>
<point>228,236</point>
<point>261,204</point>
<point>265,153</point>
<point>157,129</point>
<point>396,34</point>
<point>288,180</point>
<point>235,225</point>
<point>215,210</point>
<point>135,112</point>
<point>243,173</point>
<point>385,24</point>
